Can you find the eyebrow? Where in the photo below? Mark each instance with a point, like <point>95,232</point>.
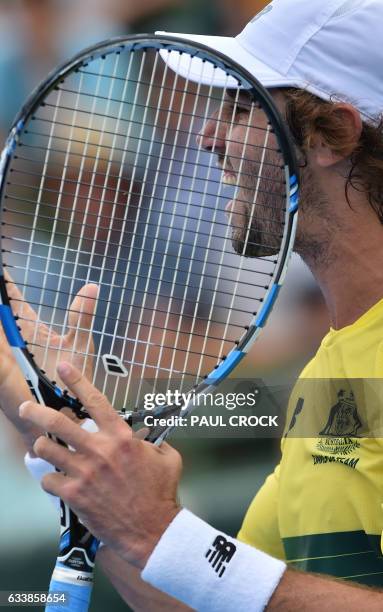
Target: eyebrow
<point>240,96</point>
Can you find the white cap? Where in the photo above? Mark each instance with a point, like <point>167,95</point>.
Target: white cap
<point>332,48</point>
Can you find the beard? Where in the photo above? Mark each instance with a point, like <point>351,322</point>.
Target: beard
<point>258,226</point>
<point>317,223</point>
<point>257,213</point>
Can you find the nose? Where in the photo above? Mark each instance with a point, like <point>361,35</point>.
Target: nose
<point>212,136</point>
<point>229,208</point>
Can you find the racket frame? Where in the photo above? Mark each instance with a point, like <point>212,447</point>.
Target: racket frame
<point>42,387</point>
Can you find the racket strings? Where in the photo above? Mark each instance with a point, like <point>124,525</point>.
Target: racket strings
<point>52,239</point>
<point>111,189</point>
<point>176,216</point>
<point>133,275</point>
<point>112,244</point>
<point>35,220</point>
<point>136,356</point>
<point>181,307</point>
<point>81,169</point>
<point>124,92</point>
<point>197,93</point>
<point>139,211</point>
<point>19,311</point>
<point>187,281</point>
<point>164,158</point>
<point>183,342</point>
<point>149,308</point>
<point>106,147</point>
<point>214,181</point>
<point>124,338</point>
<point>152,368</point>
<point>70,250</point>
<point>247,226</point>
<point>120,149</point>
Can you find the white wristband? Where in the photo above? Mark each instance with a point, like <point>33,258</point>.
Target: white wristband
<point>210,571</point>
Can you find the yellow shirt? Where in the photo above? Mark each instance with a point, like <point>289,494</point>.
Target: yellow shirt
<point>321,510</point>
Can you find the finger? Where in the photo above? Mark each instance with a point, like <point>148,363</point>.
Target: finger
<point>13,391</point>
<point>20,307</point>
<point>11,378</point>
<point>28,319</point>
<point>141,434</point>
<point>56,454</point>
<point>164,448</point>
<point>170,453</point>
<point>55,484</point>
<point>81,315</point>
<point>95,402</point>
<point>57,424</point>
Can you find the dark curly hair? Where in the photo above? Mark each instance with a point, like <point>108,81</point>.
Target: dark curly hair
<point>308,115</point>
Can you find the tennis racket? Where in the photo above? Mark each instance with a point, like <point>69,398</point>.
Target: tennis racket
<point>108,195</point>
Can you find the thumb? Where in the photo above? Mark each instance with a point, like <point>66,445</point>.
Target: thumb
<point>81,315</point>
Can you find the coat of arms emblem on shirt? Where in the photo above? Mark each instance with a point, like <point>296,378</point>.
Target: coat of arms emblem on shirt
<point>343,419</point>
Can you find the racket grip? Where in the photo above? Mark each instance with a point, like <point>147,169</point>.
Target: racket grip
<point>77,596</point>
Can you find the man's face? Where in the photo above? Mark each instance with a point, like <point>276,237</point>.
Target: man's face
<point>247,151</point>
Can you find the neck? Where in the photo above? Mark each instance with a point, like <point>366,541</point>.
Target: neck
<point>341,242</point>
<point>350,270</point>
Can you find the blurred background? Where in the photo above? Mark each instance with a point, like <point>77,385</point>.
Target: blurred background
<point>221,476</point>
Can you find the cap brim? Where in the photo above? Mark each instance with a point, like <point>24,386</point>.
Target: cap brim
<point>203,72</point>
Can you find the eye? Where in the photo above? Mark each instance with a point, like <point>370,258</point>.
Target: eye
<point>242,109</point>
<point>236,108</point>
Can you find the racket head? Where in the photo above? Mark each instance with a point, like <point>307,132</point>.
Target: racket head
<point>104,185</point>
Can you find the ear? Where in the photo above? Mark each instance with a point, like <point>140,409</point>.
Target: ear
<point>329,149</point>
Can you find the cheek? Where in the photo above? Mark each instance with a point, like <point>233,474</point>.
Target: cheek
<point>236,214</point>
<point>247,148</point>
<point>234,151</point>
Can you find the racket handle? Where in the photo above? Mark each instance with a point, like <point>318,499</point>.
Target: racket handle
<point>77,596</point>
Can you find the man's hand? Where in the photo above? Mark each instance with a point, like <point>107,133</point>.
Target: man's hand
<point>13,388</point>
<point>70,346</point>
<point>122,488</point>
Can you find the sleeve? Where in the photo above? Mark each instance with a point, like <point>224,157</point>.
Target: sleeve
<point>260,527</point>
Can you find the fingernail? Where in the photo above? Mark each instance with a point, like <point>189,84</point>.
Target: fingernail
<point>22,408</point>
<point>64,368</point>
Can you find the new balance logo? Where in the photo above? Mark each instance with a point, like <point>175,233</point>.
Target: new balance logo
<point>220,554</point>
